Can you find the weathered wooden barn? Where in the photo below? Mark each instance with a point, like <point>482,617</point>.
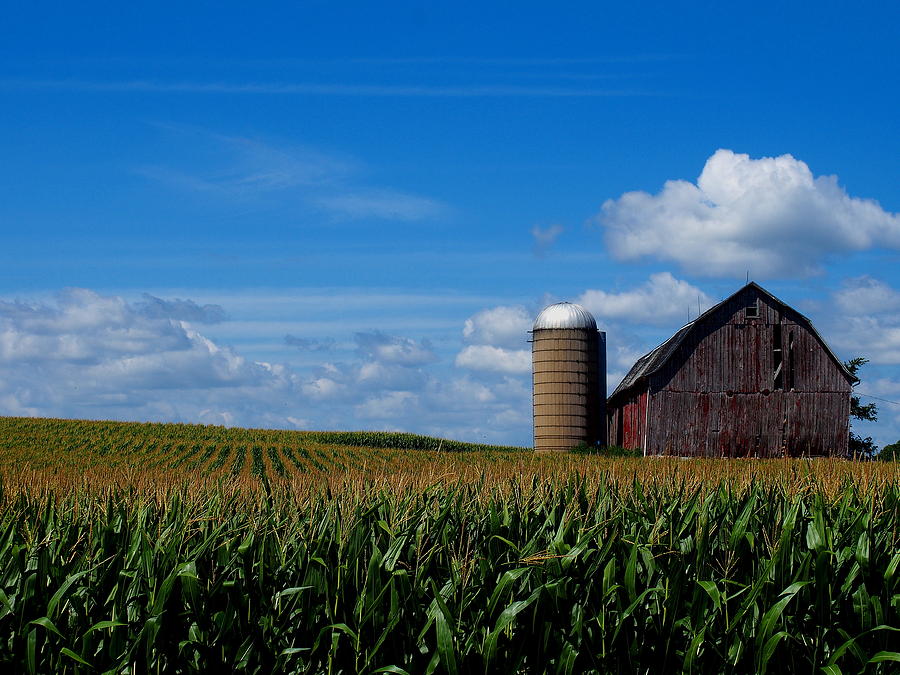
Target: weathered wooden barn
<point>750,377</point>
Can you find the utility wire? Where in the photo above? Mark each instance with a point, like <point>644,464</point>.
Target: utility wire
<point>859,393</point>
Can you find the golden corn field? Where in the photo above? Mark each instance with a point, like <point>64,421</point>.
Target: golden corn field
<point>133,548</point>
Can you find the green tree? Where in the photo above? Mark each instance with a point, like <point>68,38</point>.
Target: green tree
<point>889,453</point>
<point>859,446</point>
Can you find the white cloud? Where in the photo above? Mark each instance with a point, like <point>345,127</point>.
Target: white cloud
<point>93,356</point>
<point>486,358</point>
<point>770,216</point>
<point>661,300</point>
<point>380,375</point>
<point>865,295</point>
<point>466,389</point>
<point>322,388</point>
<point>500,326</point>
<point>394,405</point>
<point>867,322</point>
<point>876,338</point>
<point>394,349</point>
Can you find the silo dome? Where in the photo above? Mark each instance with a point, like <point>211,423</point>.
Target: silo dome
<point>564,315</point>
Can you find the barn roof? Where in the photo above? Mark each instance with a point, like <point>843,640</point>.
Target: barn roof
<point>652,361</point>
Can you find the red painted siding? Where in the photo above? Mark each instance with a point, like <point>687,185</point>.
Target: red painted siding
<point>628,425</point>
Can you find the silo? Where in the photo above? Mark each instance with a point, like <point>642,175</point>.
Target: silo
<point>568,356</point>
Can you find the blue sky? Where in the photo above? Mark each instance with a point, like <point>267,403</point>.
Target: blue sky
<point>345,216</point>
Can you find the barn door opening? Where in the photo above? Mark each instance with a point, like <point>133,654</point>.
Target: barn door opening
<point>790,362</point>
<point>777,358</point>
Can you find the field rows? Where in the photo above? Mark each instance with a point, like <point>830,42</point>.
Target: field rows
<point>65,452</point>
<point>128,548</point>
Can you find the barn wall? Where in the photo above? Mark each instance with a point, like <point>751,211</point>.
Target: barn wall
<point>719,395</point>
<point>719,424</point>
<point>628,422</point>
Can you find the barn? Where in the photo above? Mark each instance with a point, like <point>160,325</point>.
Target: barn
<point>750,377</point>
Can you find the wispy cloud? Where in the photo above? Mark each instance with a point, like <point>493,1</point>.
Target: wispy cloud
<point>247,169</point>
<point>386,204</point>
<point>544,238</point>
<point>325,89</point>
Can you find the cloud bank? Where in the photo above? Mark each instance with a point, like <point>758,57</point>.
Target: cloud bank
<point>88,355</point>
<point>93,356</point>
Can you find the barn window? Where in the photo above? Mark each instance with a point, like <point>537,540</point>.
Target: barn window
<point>777,358</point>
<point>753,310</point>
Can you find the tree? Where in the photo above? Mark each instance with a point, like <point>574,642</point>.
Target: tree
<point>859,446</point>
<point>890,453</point>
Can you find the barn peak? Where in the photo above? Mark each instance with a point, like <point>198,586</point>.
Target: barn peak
<point>655,359</point>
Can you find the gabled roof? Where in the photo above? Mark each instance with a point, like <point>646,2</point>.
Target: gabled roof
<point>654,360</point>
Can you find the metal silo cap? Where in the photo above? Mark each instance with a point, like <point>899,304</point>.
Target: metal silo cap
<point>564,315</point>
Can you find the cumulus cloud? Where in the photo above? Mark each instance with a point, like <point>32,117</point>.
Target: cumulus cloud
<point>394,349</point>
<point>321,388</point>
<point>865,295</point>
<point>875,337</point>
<point>309,344</point>
<point>544,238</point>
<point>770,216</point>
<point>386,375</point>
<point>659,301</point>
<point>390,406</point>
<point>89,355</point>
<point>487,358</point>
<point>184,310</point>
<point>500,326</point>
<point>867,323</point>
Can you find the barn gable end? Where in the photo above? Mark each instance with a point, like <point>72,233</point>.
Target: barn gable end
<point>749,377</point>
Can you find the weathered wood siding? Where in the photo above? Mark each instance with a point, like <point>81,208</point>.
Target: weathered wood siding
<point>777,424</point>
<point>628,422</point>
<point>722,392</point>
<point>731,352</point>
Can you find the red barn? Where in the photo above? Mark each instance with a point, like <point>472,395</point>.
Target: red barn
<point>750,377</point>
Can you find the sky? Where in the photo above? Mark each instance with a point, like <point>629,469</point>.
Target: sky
<point>322,215</point>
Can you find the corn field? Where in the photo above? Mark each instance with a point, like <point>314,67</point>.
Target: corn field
<point>136,548</point>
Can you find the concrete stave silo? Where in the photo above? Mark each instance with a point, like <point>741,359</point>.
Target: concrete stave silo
<point>568,378</point>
